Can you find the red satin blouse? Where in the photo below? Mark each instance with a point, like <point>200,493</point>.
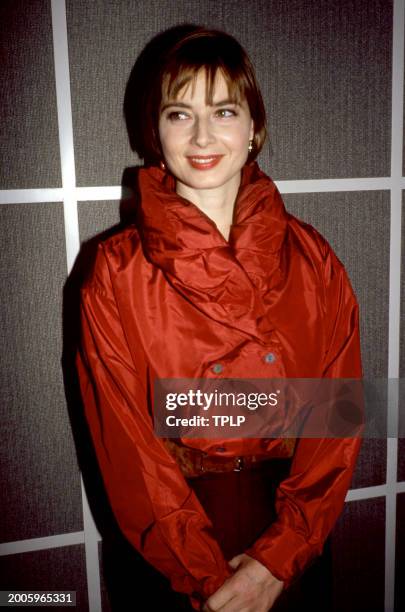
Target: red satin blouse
<point>169,297</point>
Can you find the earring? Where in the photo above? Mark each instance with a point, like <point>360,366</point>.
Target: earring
<point>163,165</point>
<point>250,147</point>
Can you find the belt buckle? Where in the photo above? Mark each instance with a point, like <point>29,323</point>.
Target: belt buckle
<point>239,464</point>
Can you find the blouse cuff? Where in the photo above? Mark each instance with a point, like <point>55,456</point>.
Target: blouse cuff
<point>284,552</point>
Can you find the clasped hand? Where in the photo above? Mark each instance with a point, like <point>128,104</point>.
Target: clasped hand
<point>252,588</point>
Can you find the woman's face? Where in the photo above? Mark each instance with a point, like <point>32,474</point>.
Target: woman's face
<point>205,146</point>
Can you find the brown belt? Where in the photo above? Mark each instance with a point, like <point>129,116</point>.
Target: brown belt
<point>194,463</point>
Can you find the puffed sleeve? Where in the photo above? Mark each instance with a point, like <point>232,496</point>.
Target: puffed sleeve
<point>155,507</point>
<point>310,500</point>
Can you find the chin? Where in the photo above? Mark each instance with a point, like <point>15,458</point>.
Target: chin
<point>206,183</point>
<point>207,179</point>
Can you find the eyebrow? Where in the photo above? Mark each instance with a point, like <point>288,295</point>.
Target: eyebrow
<point>183,105</point>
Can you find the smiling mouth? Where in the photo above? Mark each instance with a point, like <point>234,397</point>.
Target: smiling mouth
<point>204,162</point>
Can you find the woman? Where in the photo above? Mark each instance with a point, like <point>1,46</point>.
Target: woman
<point>214,280</point>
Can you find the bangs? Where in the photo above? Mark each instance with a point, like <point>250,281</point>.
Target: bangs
<point>175,80</point>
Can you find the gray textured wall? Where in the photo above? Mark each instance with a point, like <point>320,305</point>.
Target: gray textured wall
<point>326,73</point>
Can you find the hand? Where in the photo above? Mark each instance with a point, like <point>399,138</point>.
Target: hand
<point>252,588</point>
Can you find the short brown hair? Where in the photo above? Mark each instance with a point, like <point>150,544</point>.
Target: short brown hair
<point>194,49</point>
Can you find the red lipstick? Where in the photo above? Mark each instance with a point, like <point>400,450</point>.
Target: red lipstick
<point>204,162</point>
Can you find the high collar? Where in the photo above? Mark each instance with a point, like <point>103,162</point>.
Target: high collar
<point>227,279</point>
<point>259,223</point>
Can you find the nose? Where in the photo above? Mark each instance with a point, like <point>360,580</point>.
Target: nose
<point>203,132</point>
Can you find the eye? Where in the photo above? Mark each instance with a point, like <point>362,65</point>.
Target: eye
<point>224,113</point>
<point>177,116</point>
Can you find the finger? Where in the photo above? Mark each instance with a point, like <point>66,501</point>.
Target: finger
<point>225,593</point>
<point>208,608</point>
<point>235,561</point>
<point>235,605</point>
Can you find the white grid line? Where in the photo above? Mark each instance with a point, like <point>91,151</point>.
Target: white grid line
<point>344,184</point>
<point>114,192</point>
<point>66,143</point>
<point>394,297</point>
<point>34,544</point>
<point>65,129</point>
<point>91,540</point>
<point>31,196</point>
<point>366,493</point>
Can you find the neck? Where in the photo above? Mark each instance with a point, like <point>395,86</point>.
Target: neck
<point>217,203</point>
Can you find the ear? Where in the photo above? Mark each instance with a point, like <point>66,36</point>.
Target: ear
<point>252,130</point>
